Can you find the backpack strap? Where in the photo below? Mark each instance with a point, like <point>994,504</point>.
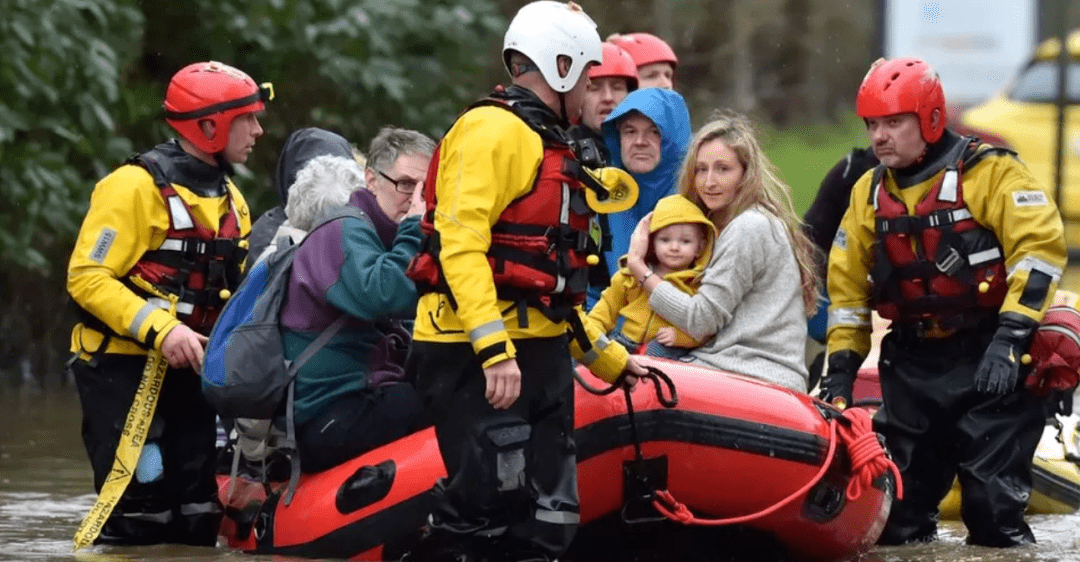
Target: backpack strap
<point>290,425</point>
<point>290,446</point>
<point>317,344</point>
<point>336,213</point>
<point>235,468</point>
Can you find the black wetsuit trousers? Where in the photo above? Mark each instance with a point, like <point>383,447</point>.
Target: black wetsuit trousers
<point>937,426</point>
<point>181,505</point>
<point>511,474</point>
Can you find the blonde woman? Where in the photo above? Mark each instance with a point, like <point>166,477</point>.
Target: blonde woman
<point>762,282</point>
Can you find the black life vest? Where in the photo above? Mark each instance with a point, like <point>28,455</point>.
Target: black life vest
<point>937,263</point>
<point>541,241</point>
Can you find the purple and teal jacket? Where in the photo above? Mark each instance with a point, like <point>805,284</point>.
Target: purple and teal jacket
<point>357,267</point>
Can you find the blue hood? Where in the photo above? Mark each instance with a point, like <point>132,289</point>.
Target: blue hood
<point>667,109</point>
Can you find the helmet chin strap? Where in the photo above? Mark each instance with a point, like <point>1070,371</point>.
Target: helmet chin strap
<point>562,108</point>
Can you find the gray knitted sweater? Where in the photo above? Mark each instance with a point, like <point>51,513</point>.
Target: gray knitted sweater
<point>750,300</point>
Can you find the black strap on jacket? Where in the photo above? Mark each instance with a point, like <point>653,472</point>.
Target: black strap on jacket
<point>168,163</point>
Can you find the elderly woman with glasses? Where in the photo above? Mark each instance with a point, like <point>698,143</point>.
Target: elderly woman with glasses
<point>397,163</point>
<point>351,396</point>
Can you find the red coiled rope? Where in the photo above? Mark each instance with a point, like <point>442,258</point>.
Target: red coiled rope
<point>868,458</point>
<point>868,461</point>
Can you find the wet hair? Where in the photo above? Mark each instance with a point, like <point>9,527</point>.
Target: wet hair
<point>392,142</point>
<point>760,186</point>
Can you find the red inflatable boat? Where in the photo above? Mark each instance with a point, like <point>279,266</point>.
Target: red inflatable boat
<point>733,450</point>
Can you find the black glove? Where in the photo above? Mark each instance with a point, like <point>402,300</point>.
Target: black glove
<point>1000,365</point>
<point>840,378</point>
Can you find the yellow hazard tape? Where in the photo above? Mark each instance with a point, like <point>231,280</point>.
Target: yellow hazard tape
<point>136,426</point>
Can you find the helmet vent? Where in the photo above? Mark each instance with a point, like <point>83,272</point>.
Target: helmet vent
<point>904,85</point>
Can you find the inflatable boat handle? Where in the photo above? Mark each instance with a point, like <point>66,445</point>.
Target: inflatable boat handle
<point>868,461</point>
<point>654,375</point>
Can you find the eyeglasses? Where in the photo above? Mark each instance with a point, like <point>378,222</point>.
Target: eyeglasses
<point>406,186</point>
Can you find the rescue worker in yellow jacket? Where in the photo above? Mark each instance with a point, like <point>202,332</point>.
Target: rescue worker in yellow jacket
<point>680,247</point>
<point>502,273</point>
<point>955,243</point>
<point>165,231</point>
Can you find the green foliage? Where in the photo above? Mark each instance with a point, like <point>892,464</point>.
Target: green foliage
<point>60,82</point>
<point>61,79</point>
<point>805,154</point>
<point>349,66</point>
<point>81,85</point>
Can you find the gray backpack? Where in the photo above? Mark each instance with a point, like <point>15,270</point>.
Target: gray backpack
<point>245,374</point>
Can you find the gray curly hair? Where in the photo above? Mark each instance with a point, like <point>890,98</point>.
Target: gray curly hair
<point>323,184</point>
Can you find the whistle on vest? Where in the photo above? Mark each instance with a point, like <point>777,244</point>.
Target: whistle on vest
<point>609,190</point>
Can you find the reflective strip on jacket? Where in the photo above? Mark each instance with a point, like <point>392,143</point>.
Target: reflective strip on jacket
<point>1001,195</point>
<point>489,158</point>
<point>128,217</point>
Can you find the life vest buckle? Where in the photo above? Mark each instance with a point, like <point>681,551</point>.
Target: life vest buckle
<point>588,153</point>
<point>950,263</point>
<point>192,248</point>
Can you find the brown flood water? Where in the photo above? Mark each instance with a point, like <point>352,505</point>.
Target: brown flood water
<point>45,489</point>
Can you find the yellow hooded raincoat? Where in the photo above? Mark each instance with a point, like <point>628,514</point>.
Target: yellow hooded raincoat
<point>628,299</point>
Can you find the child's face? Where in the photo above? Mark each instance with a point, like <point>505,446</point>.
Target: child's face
<point>677,245</point>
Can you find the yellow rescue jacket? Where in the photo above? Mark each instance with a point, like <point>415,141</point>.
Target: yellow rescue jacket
<point>489,158</point>
<point>1001,195</point>
<point>127,218</point>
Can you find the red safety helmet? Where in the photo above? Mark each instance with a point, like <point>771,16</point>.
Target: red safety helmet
<point>214,91</point>
<point>646,48</point>
<point>617,64</point>
<point>903,85</point>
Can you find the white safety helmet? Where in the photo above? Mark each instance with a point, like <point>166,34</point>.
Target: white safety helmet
<point>544,31</point>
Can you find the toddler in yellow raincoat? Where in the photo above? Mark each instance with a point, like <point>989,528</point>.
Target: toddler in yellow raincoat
<point>680,246</point>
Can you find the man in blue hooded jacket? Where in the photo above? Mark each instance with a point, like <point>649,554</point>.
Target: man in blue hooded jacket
<point>647,135</point>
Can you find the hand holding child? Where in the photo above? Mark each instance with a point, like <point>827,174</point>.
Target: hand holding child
<point>666,336</point>
<point>639,240</point>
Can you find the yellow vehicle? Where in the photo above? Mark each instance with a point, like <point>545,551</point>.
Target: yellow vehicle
<point>1025,115</point>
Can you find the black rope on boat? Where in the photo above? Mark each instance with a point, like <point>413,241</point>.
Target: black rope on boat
<point>633,425</point>
<point>639,488</point>
<point>641,494</point>
<point>654,375</point>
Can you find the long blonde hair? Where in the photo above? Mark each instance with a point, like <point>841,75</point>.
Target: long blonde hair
<point>760,186</point>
